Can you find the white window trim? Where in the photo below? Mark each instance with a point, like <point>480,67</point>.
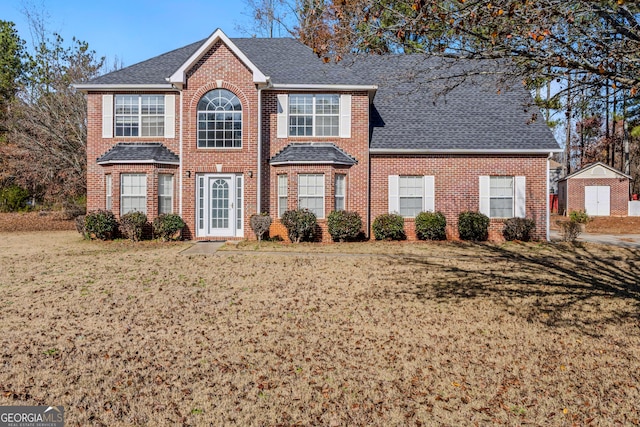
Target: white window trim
<point>166,196</point>
<point>123,194</point>
<point>519,196</point>
<point>108,184</point>
<point>283,197</point>
<point>344,120</point>
<point>313,196</point>
<point>140,115</point>
<point>342,196</point>
<point>428,197</point>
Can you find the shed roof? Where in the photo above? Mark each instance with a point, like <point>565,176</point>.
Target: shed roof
<point>312,153</point>
<point>148,152</point>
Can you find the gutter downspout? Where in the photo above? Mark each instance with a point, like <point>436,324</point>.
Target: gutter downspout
<point>547,197</point>
<point>181,156</point>
<point>259,173</point>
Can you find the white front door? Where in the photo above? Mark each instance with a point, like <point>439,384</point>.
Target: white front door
<point>219,205</point>
<point>597,200</point>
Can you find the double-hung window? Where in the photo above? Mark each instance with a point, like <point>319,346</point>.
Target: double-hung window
<point>411,194</point>
<point>139,115</point>
<point>503,196</point>
<point>283,197</point>
<point>314,115</point>
<point>339,192</point>
<point>311,193</point>
<point>165,194</point>
<point>108,187</point>
<point>133,193</point>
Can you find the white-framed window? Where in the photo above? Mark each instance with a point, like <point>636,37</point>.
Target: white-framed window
<point>314,115</point>
<point>219,120</point>
<point>503,196</point>
<point>283,194</point>
<point>339,192</point>
<point>311,193</point>
<point>411,194</point>
<point>133,193</point>
<point>139,115</point>
<point>165,193</point>
<point>108,190</point>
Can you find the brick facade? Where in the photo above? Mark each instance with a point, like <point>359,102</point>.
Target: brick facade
<point>456,176</point>
<point>572,191</point>
<point>457,185</point>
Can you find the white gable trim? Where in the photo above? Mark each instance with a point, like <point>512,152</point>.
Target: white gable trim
<point>179,77</point>
<point>592,166</point>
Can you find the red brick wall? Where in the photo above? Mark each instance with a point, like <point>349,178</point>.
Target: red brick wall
<point>356,146</point>
<point>457,185</point>
<point>619,193</point>
<point>97,146</point>
<point>219,65</point>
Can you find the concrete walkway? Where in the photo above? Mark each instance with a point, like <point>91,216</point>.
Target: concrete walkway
<point>203,248</point>
<point>623,240</point>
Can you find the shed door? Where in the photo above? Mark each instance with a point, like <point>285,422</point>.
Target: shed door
<point>597,200</point>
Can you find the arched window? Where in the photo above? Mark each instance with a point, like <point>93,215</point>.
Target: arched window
<point>219,120</point>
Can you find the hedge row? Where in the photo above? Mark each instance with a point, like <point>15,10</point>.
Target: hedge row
<point>102,225</point>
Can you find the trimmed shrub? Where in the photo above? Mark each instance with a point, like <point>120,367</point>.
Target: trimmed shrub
<point>300,224</point>
<point>580,217</point>
<point>132,225</point>
<point>168,227</point>
<point>13,198</point>
<point>473,226</point>
<point>389,227</point>
<point>570,230</point>
<point>518,229</point>
<point>431,226</point>
<point>344,225</point>
<point>100,224</point>
<point>260,224</point>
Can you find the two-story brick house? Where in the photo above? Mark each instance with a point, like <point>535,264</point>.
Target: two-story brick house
<point>224,128</point>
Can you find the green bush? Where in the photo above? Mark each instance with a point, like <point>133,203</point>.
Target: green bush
<point>431,226</point>
<point>168,227</point>
<point>132,225</point>
<point>260,224</point>
<point>100,225</point>
<point>344,225</point>
<point>518,229</point>
<point>389,227</point>
<point>473,226</point>
<point>580,217</point>
<point>13,198</point>
<point>300,224</point>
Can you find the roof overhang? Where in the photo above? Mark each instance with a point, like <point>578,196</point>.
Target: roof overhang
<point>303,162</point>
<point>462,151</point>
<point>310,87</point>
<point>137,162</point>
<point>86,87</point>
<point>179,77</point>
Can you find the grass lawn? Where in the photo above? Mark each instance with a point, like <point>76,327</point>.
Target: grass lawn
<point>453,334</point>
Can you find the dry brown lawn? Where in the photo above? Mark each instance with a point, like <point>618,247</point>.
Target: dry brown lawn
<point>451,334</point>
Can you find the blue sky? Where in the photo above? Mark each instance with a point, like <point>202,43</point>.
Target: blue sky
<point>132,30</point>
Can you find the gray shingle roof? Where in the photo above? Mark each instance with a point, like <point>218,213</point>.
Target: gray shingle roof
<point>148,152</point>
<point>416,108</point>
<point>284,60</point>
<point>312,152</point>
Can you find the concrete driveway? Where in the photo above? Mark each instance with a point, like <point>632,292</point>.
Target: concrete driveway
<point>623,240</point>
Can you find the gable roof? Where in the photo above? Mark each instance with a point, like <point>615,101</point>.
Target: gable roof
<point>283,61</point>
<point>312,153</point>
<point>593,166</point>
<point>145,152</point>
<point>424,104</point>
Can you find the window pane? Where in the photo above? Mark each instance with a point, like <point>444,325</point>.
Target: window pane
<point>220,114</point>
<point>501,197</point>
<point>133,193</point>
<point>410,206</point>
<point>283,198</point>
<point>165,193</point>
<point>108,189</point>
<point>339,192</point>
<point>311,193</point>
